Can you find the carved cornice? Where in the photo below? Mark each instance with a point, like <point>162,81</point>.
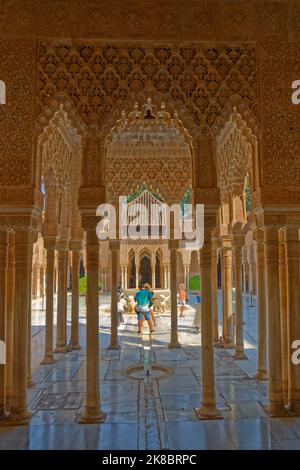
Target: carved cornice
<point>207,196</point>
<point>91,198</point>
<point>209,20</point>
<point>19,223</point>
<point>21,197</point>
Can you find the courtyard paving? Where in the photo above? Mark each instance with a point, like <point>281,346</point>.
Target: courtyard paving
<point>149,413</point>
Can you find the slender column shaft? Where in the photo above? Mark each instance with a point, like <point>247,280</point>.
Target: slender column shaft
<point>19,410</point>
<point>61,331</point>
<point>262,365</point>
<point>239,349</point>
<point>34,281</point>
<point>74,343</point>
<point>42,281</point>
<point>215,292</point>
<point>224,322</point>
<point>115,256</point>
<point>122,277</point>
<point>276,405</point>
<point>3,320</point>
<point>208,409</point>
<point>29,379</point>
<point>93,412</point>
<point>126,277</point>
<point>10,316</point>
<point>136,276</point>
<point>153,273</point>
<point>174,343</point>
<point>49,357</point>
<point>228,295</point>
<point>283,313</point>
<point>293,299</point>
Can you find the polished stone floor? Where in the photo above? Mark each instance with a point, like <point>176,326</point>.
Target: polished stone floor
<point>149,413</point>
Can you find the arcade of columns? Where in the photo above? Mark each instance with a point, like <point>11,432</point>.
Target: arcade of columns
<point>62,100</point>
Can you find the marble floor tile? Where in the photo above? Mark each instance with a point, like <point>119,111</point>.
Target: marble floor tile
<point>149,413</point>
<point>198,436</point>
<point>253,433</point>
<point>289,444</point>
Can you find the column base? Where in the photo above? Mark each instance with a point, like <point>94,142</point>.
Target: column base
<point>92,416</point>
<point>75,346</point>
<point>206,412</point>
<point>228,345</point>
<point>17,419</point>
<point>3,414</point>
<point>275,409</point>
<point>174,344</point>
<point>114,347</point>
<point>30,382</point>
<point>239,355</point>
<point>48,360</point>
<point>294,407</point>
<point>61,349</point>
<point>261,375</point>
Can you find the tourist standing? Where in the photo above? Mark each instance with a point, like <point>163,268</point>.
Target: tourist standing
<point>143,300</point>
<point>182,299</point>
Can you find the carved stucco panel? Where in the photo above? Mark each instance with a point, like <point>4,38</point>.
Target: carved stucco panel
<point>17,58</point>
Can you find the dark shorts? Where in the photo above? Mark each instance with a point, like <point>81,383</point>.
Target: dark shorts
<point>144,315</point>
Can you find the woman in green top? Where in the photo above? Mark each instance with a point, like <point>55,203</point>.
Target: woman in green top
<point>143,300</point>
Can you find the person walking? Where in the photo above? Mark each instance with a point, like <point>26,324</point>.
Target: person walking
<point>121,309</point>
<point>182,299</point>
<point>151,292</point>
<point>197,317</point>
<point>143,300</point>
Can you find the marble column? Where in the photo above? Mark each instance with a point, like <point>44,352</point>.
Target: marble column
<point>208,408</point>
<point>137,281</point>
<point>3,319</point>
<point>186,275</point>
<point>244,277</point>
<point>10,315</point>
<point>122,278</point>
<point>42,281</point>
<point>76,254</point>
<point>173,247</point>
<point>61,329</point>
<point>283,313</point>
<point>93,412</point>
<point>34,281</point>
<point>227,251</point>
<point>19,413</point>
<point>153,273</point>
<point>114,246</point>
<point>126,277</point>
<point>215,291</point>
<point>30,382</point>
<point>262,364</point>
<point>276,404</point>
<point>50,250</point>
<point>293,302</point>
<point>223,288</point>
<point>238,242</point>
